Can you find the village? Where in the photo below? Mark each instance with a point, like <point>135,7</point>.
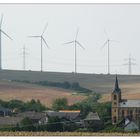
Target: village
<point>118,116</point>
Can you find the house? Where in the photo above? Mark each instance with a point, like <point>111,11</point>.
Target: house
<point>66,115</point>
<point>131,126</point>
<point>4,111</point>
<point>34,116</point>
<point>123,108</point>
<point>92,120</point>
<point>10,121</point>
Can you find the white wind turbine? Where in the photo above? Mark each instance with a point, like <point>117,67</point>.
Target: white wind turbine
<point>2,32</point>
<point>76,44</point>
<point>107,42</point>
<point>41,44</point>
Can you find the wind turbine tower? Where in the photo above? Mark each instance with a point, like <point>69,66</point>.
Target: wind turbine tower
<point>2,32</point>
<point>76,44</point>
<point>41,44</point>
<point>107,42</point>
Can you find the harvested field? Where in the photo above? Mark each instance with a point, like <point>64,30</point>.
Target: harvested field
<point>100,83</point>
<point>25,92</point>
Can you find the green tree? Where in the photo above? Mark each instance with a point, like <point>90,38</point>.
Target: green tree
<point>35,106</point>
<point>20,105</point>
<point>54,124</point>
<point>59,104</point>
<point>26,124</point>
<point>75,86</point>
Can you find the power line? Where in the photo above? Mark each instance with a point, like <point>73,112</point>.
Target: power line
<point>130,64</point>
<point>24,53</point>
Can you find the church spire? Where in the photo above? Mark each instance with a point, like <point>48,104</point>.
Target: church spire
<point>117,89</point>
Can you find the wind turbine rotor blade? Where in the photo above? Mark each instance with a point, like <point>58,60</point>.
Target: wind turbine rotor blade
<point>45,28</point>
<point>133,63</point>
<point>69,42</point>
<point>34,36</point>
<point>114,41</point>
<point>1,20</point>
<point>45,42</point>
<point>125,64</point>
<point>133,59</point>
<point>6,34</point>
<point>77,33</point>
<point>104,44</point>
<point>80,45</point>
<point>106,33</point>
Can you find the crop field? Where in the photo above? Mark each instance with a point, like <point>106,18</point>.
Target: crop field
<point>25,92</point>
<point>66,134</point>
<point>100,83</point>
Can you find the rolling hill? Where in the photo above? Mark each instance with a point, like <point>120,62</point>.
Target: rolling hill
<point>25,92</point>
<point>100,83</point>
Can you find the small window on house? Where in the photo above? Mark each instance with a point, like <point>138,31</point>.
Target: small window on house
<point>114,110</point>
<point>115,97</point>
<point>115,103</point>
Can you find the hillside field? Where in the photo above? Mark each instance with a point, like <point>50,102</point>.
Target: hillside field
<point>99,83</point>
<point>25,92</point>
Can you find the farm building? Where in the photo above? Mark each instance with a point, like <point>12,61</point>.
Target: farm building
<point>62,114</point>
<point>4,111</point>
<point>93,120</point>
<point>10,121</point>
<point>34,116</point>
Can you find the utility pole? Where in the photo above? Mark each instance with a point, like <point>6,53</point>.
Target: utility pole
<point>24,53</point>
<point>130,64</point>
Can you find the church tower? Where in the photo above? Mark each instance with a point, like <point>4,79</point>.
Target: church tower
<point>115,99</point>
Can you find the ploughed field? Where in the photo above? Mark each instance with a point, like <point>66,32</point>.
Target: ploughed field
<point>25,92</point>
<point>100,83</point>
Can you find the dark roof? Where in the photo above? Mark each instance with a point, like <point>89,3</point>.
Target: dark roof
<point>116,88</point>
<point>3,109</point>
<point>10,121</point>
<point>92,116</point>
<point>67,115</point>
<point>32,115</point>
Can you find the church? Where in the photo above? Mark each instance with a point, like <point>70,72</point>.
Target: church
<point>123,108</point>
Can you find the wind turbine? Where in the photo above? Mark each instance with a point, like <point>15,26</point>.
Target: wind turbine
<point>2,32</point>
<point>107,42</point>
<point>76,44</point>
<point>42,40</point>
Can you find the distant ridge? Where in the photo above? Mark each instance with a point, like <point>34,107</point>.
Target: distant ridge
<point>100,83</point>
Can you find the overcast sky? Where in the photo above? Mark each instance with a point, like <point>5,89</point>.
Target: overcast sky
<point>121,22</point>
